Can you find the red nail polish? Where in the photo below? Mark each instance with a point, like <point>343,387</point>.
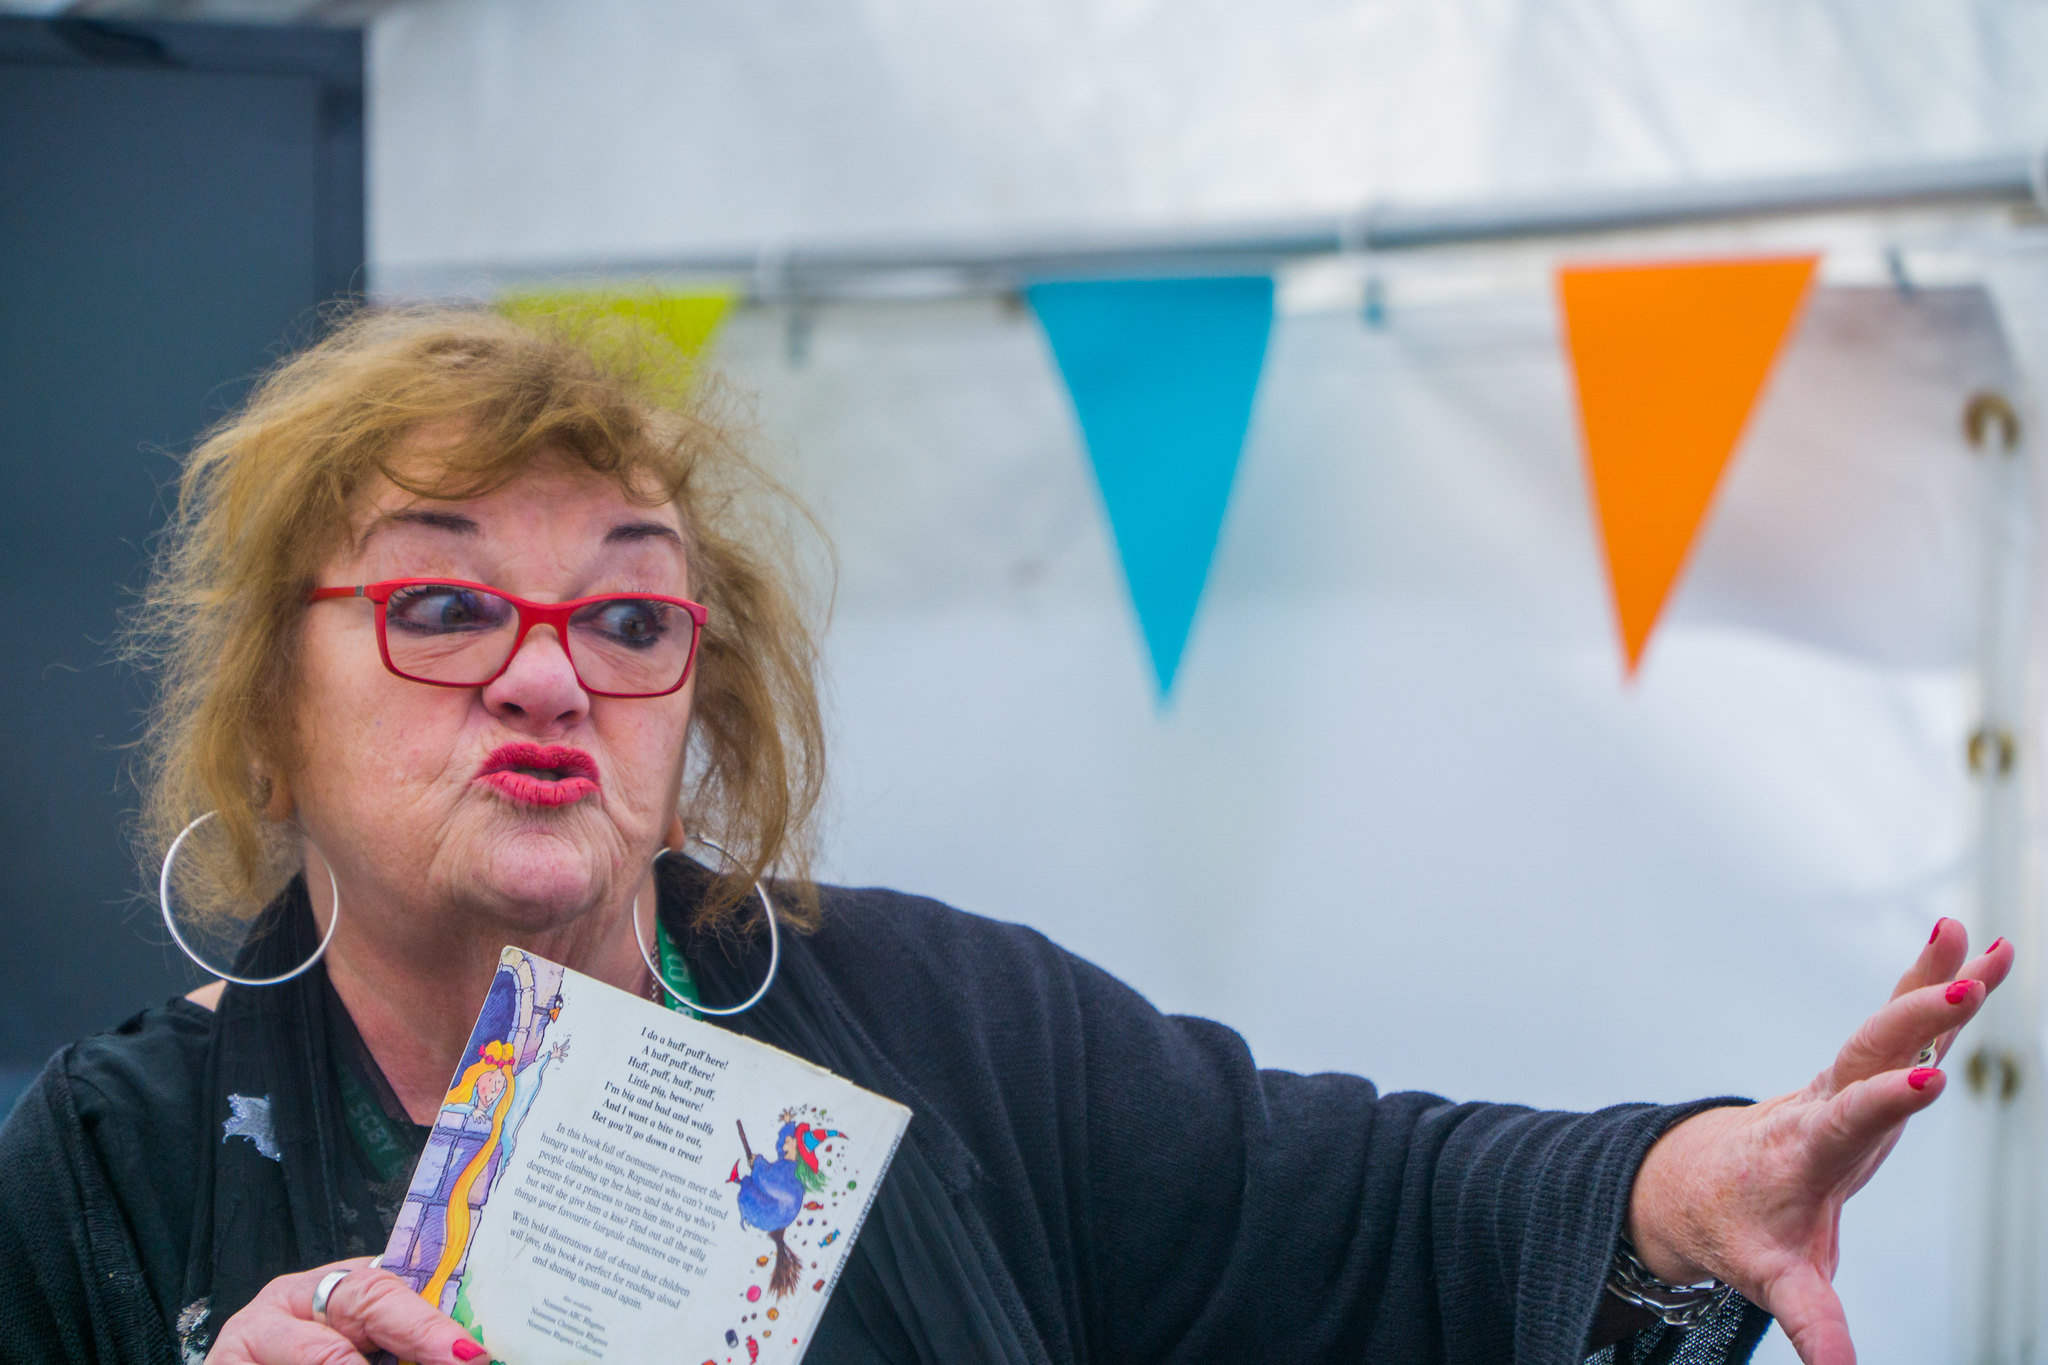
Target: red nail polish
<point>466,1349</point>
<point>1996,944</point>
<point>1937,929</point>
<point>1958,991</point>
<point>1919,1076</point>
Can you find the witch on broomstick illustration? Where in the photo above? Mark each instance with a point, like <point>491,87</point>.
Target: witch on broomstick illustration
<point>772,1194</point>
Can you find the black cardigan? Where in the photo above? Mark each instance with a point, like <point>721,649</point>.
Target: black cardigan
<point>1085,1179</point>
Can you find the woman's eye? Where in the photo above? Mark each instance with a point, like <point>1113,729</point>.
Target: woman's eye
<point>443,609</point>
<point>630,622</point>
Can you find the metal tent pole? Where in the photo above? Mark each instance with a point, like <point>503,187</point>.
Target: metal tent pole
<point>1999,1060</point>
<point>798,273</point>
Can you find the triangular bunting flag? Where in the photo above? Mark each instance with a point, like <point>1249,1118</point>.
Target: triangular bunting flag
<point>1162,374</point>
<point>685,321</point>
<point>1669,360</point>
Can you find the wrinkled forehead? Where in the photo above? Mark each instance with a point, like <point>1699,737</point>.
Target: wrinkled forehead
<point>556,520</point>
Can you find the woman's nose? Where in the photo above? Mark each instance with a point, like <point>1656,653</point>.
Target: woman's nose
<point>538,691</point>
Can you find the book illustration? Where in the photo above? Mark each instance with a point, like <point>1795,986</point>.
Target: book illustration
<point>790,1194</point>
<point>475,1133</point>
<point>772,1195</point>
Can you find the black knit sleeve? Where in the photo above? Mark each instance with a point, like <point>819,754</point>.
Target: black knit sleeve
<point>96,1180</point>
<point>1240,1213</point>
<point>71,1285</point>
<point>1153,1196</point>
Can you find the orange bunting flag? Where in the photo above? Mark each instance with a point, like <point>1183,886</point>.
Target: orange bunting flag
<point>1669,360</point>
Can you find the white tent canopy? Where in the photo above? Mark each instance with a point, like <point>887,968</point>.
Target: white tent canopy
<point>543,130</point>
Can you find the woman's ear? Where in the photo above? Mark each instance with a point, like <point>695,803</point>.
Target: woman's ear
<point>276,795</point>
<point>677,835</point>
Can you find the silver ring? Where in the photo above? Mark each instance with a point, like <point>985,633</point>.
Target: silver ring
<point>325,1291</point>
<point>774,942</point>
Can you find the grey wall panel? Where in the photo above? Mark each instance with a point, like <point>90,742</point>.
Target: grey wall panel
<point>175,203</point>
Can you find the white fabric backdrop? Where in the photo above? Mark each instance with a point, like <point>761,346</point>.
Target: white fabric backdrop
<point>1402,816</point>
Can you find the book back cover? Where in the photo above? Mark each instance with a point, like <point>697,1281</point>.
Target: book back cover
<point>610,1180</point>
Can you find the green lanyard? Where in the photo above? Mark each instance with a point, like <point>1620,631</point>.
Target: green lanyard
<point>675,970</point>
<point>392,1151</point>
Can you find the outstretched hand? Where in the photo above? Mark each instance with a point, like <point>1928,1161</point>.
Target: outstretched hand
<point>1754,1195</point>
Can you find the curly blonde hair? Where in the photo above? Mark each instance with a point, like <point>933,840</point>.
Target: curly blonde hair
<point>268,494</point>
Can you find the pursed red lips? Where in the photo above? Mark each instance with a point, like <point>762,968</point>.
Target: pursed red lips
<point>539,774</point>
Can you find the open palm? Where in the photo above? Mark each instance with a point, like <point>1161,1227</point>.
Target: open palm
<point>1754,1195</point>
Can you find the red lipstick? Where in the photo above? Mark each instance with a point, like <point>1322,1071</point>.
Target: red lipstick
<point>539,774</point>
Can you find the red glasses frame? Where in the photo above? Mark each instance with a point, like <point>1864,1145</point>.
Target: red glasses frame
<point>552,614</point>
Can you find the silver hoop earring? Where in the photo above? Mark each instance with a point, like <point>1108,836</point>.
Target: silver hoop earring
<point>774,942</point>
<point>163,900</point>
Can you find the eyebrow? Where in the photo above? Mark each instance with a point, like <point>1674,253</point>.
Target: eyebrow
<point>626,532</point>
<point>419,516</point>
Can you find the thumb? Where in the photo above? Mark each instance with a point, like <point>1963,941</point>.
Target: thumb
<point>1805,1305</point>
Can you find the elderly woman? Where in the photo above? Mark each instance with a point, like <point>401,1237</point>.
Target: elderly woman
<point>437,680</point>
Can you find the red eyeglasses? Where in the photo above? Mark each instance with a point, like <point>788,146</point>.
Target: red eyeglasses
<point>448,633</point>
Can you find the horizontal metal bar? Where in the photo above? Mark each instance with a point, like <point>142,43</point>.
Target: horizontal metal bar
<point>1990,180</point>
<point>776,272</point>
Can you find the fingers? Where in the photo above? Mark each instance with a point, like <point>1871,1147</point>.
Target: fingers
<point>290,1341</point>
<point>1938,961</point>
<point>375,1308</point>
<point>276,1327</point>
<point>294,1293</point>
<point>1927,1008</point>
<point>1805,1305</point>
<point>1943,959</point>
<point>1894,1036</point>
<point>1991,966</point>
<point>369,1309</point>
<point>1860,1123</point>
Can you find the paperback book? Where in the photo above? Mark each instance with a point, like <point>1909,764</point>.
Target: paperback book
<point>611,1180</point>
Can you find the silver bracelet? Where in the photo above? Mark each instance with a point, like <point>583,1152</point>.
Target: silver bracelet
<point>1676,1305</point>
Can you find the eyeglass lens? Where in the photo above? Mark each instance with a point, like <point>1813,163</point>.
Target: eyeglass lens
<point>442,633</point>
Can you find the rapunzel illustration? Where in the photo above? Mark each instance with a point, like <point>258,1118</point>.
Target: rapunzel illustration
<point>496,1095</point>
<point>476,1130</point>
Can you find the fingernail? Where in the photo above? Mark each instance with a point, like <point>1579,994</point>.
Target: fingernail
<point>1958,991</point>
<point>466,1349</point>
<point>1919,1076</point>
<point>1996,944</point>
<point>1937,929</point>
